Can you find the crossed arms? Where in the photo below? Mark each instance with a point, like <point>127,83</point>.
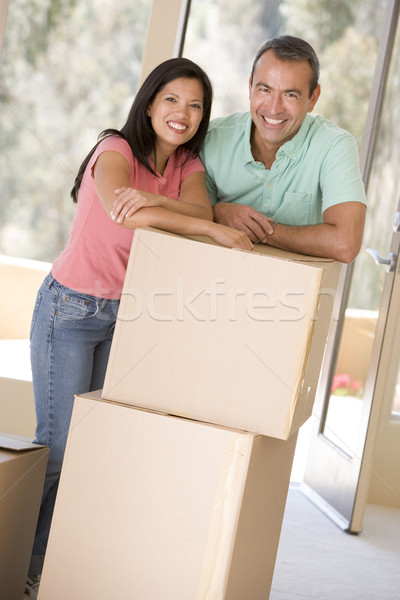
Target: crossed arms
<point>338,237</point>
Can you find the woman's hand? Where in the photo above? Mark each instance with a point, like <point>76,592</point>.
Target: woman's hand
<point>229,237</point>
<point>129,200</point>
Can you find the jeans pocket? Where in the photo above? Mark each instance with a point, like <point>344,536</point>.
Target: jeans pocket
<point>75,306</point>
<point>35,312</point>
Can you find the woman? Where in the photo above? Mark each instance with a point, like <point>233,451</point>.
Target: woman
<point>146,174</point>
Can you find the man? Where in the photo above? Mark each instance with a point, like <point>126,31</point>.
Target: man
<point>286,178</point>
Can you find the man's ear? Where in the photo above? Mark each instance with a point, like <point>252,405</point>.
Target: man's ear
<point>250,85</point>
<point>314,97</point>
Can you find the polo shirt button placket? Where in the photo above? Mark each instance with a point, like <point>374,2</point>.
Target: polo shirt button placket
<point>267,195</point>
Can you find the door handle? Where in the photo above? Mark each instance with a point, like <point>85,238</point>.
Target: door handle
<point>396,223</point>
<point>390,262</point>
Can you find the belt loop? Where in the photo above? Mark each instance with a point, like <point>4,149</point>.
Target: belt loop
<point>49,281</point>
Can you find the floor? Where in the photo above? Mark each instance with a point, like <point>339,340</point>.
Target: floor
<point>318,561</point>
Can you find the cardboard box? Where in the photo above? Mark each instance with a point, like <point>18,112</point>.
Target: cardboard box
<point>151,506</point>
<point>219,335</point>
<point>22,471</point>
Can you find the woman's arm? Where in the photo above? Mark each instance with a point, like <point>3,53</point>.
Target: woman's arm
<point>167,220</point>
<point>193,200</point>
<point>111,172</point>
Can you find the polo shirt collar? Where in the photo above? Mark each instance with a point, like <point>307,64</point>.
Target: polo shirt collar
<point>247,155</point>
<point>294,146</point>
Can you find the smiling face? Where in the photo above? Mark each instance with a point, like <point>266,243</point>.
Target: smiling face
<point>279,101</point>
<point>176,113</point>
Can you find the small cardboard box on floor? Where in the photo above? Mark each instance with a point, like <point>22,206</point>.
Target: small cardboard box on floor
<point>153,506</point>
<point>219,335</point>
<point>22,470</point>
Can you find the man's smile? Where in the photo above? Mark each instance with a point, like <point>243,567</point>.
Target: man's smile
<point>273,121</point>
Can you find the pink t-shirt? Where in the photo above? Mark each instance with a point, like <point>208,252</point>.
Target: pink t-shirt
<point>95,258</point>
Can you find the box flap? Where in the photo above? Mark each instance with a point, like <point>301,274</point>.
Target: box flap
<point>18,444</point>
<point>294,256</point>
<point>263,249</point>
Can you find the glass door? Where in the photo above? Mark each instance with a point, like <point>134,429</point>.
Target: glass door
<point>339,465</point>
<point>384,485</point>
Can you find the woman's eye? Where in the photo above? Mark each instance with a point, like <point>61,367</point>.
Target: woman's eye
<point>196,106</point>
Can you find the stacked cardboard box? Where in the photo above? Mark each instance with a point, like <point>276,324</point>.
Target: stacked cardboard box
<point>22,470</point>
<point>175,476</point>
<point>153,506</point>
<point>222,336</point>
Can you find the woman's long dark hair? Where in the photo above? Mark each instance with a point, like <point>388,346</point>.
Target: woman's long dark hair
<point>138,131</point>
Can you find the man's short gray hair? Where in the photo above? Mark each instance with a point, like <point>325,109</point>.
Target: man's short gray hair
<point>287,47</point>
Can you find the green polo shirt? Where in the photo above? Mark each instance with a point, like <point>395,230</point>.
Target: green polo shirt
<point>316,169</point>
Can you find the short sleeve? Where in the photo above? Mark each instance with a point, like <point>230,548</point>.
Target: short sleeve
<point>115,143</point>
<point>190,166</point>
<point>340,174</point>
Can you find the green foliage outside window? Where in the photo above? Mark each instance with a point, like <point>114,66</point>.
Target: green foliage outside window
<point>70,69</point>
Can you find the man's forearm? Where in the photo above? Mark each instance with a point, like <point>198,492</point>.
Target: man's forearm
<point>308,239</point>
<point>339,236</point>
<point>314,240</point>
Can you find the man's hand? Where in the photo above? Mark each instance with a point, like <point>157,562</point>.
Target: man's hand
<point>247,219</point>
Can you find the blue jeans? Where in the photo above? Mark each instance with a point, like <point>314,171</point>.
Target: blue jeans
<point>71,336</point>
